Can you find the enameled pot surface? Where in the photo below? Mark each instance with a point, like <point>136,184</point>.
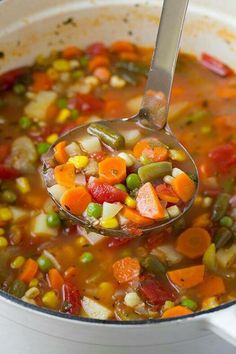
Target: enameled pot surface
<point>28,28</point>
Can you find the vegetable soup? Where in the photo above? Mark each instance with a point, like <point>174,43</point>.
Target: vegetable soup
<point>47,261</point>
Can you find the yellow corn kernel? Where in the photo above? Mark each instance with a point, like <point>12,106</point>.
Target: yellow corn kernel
<point>198,200</point>
<point>105,291</point>
<point>2,231</point>
<point>34,283</point>
<point>3,242</point>
<point>177,155</point>
<point>50,299</point>
<point>210,303</point>
<point>63,115</point>
<point>61,65</point>
<point>5,214</point>
<point>81,241</point>
<point>52,138</point>
<point>130,202</point>
<point>18,262</point>
<point>79,161</point>
<point>23,185</point>
<point>109,223</point>
<point>52,74</point>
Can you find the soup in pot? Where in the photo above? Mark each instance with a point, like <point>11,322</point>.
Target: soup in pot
<point>47,261</point>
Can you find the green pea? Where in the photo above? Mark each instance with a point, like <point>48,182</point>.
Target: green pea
<point>84,61</point>
<point>17,288</point>
<point>42,148</point>
<point>44,264</point>
<point>62,103</point>
<point>77,74</point>
<point>53,219</point>
<point>133,181</point>
<point>121,186</point>
<point>9,196</point>
<point>19,89</point>
<point>226,221</point>
<point>94,210</point>
<point>86,257</point>
<point>74,114</point>
<point>190,304</point>
<point>24,123</point>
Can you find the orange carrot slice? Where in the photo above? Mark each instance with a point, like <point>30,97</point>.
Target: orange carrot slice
<point>70,272</point>
<point>140,147</point>
<point>176,311</point>
<point>184,187</point>
<point>187,277</point>
<point>211,286</point>
<point>166,192</point>
<point>60,152</point>
<point>55,279</point>
<point>71,52</point>
<point>52,111</point>
<point>41,82</point>
<point>97,61</point>
<point>134,216</point>
<point>157,154</point>
<point>193,242</point>
<point>76,200</point>
<point>112,170</point>
<point>126,269</point>
<point>29,270</point>
<point>148,203</point>
<point>130,56</point>
<point>122,46</point>
<point>65,175</point>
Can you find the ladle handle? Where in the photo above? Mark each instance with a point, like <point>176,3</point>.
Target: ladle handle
<point>160,77</point>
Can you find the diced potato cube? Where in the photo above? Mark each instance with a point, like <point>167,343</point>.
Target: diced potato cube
<point>134,104</point>
<point>131,137</point>
<point>57,191</point>
<point>226,257</point>
<point>173,211</point>
<point>39,227</point>
<point>94,310</point>
<point>37,108</point>
<point>90,144</point>
<point>73,149</point>
<point>18,214</point>
<point>110,210</point>
<point>168,254</point>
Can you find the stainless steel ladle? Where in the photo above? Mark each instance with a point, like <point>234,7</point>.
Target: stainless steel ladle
<point>154,110</point>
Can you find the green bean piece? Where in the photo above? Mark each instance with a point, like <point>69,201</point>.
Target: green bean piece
<point>138,68</point>
<point>222,237</point>
<point>17,288</point>
<point>229,185</point>
<point>220,207</point>
<point>129,77</point>
<point>179,225</point>
<point>154,170</point>
<point>107,135</point>
<point>209,258</point>
<point>152,264</point>
<point>194,117</point>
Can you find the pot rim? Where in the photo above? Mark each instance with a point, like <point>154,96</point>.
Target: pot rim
<point>61,315</point>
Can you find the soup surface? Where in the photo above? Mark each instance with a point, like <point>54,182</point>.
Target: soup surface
<point>45,260</point>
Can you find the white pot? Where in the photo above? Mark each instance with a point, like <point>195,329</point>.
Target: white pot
<point>28,28</point>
